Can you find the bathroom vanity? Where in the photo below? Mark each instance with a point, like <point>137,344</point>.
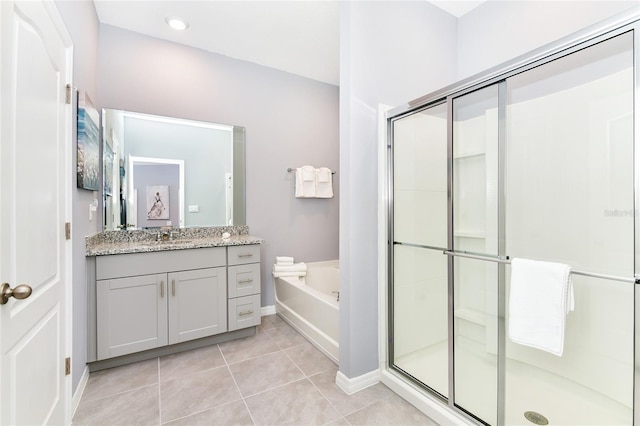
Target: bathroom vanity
<point>148,297</point>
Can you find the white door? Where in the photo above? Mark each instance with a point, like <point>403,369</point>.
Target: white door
<point>35,185</point>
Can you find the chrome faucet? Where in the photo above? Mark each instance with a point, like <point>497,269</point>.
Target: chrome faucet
<point>164,236</point>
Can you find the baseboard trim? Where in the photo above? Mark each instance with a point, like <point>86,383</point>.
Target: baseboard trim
<point>267,310</point>
<point>77,396</point>
<point>356,384</point>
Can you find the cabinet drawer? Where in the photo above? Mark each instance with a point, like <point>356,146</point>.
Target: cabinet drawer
<point>239,255</point>
<point>244,312</point>
<point>127,265</point>
<point>244,280</point>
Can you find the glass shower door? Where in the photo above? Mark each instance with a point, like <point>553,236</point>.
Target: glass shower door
<point>419,294</point>
<point>569,199</point>
<point>475,232</point>
<point>536,163</point>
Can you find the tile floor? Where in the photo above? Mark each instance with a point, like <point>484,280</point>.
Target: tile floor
<point>275,377</point>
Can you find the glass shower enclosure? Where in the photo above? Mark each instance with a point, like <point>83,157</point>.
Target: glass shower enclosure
<point>535,162</point>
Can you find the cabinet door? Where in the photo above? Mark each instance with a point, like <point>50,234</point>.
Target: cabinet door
<point>131,315</point>
<point>197,304</point>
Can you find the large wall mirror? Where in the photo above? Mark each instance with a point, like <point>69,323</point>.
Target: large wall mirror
<point>163,171</point>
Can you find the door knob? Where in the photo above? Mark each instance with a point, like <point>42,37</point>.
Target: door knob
<point>20,292</point>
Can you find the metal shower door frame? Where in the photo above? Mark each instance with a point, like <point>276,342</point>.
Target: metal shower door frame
<point>499,75</point>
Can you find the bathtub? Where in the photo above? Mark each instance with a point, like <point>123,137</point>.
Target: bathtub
<point>310,305</point>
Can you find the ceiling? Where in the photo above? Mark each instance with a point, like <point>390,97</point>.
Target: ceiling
<point>300,37</point>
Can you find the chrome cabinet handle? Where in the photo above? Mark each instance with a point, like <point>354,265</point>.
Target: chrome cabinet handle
<point>241,314</point>
<point>173,288</point>
<point>245,281</point>
<point>161,289</point>
<point>20,292</point>
<point>245,254</point>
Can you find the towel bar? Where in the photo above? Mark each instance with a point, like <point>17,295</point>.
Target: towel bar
<point>507,260</point>
<point>294,169</point>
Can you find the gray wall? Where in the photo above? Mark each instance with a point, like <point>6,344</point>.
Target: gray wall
<point>391,52</point>
<point>290,121</point>
<point>82,23</point>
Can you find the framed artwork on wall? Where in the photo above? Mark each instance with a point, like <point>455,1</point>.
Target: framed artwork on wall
<point>108,170</point>
<point>88,163</point>
<point>158,202</point>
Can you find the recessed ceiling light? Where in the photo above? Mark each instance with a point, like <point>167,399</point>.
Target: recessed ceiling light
<point>176,23</point>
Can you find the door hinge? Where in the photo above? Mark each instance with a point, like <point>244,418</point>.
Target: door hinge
<point>67,366</point>
<point>69,92</point>
<point>67,230</point>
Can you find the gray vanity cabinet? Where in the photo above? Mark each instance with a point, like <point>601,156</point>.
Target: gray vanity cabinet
<point>149,300</point>
<point>244,286</point>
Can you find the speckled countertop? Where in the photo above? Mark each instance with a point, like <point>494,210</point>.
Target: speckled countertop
<point>142,241</point>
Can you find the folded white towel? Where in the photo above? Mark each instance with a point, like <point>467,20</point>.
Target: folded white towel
<point>305,182</point>
<point>298,267</point>
<point>540,299</point>
<point>289,274</point>
<point>284,260</point>
<point>324,185</point>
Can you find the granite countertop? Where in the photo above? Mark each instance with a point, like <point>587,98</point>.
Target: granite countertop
<point>144,241</point>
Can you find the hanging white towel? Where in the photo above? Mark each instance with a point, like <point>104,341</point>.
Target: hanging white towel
<point>540,299</point>
<point>305,182</point>
<point>324,186</point>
